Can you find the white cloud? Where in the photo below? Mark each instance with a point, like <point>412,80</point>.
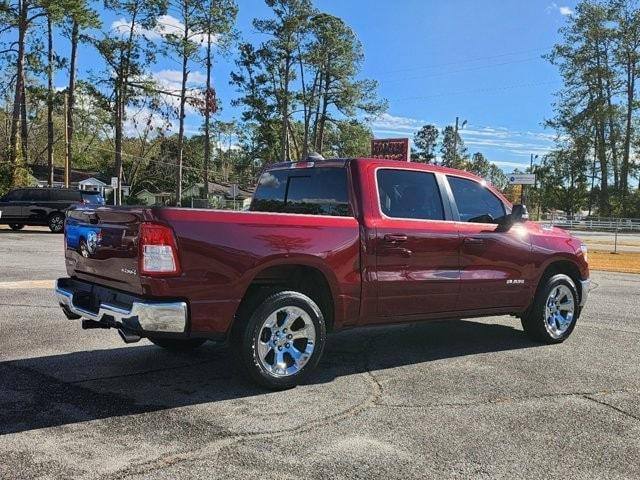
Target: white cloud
<point>562,9</point>
<point>166,25</point>
<point>505,141</point>
<point>396,124</point>
<point>175,77</point>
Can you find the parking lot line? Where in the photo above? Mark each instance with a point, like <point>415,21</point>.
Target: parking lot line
<point>27,284</point>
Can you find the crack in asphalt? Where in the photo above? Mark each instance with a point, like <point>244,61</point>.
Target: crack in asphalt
<point>495,401</point>
<point>613,407</point>
<point>190,455</point>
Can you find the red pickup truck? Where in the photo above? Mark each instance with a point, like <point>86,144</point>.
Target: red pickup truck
<point>326,245</point>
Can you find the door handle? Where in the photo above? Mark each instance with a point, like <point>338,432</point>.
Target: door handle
<point>473,241</point>
<point>395,238</point>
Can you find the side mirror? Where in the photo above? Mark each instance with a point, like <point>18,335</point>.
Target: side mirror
<point>519,214</point>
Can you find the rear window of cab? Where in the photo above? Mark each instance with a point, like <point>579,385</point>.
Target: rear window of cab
<point>311,191</point>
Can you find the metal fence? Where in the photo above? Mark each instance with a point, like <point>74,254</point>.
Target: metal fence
<point>598,224</point>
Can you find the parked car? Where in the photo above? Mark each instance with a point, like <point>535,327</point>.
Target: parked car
<point>326,245</point>
<point>43,206</point>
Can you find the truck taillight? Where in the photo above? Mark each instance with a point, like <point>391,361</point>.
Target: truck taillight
<point>158,251</point>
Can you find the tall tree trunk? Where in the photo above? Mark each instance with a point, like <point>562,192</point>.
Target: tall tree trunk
<point>183,98</point>
<point>121,104</point>
<point>316,116</point>
<point>613,140</point>
<point>285,111</point>
<point>624,171</point>
<point>24,126</point>
<point>323,115</point>
<point>118,138</point>
<point>306,106</point>
<point>50,92</point>
<point>207,121</point>
<point>71,99</point>
<point>604,172</point>
<point>18,98</point>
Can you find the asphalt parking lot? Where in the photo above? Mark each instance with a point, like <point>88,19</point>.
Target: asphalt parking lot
<point>464,399</point>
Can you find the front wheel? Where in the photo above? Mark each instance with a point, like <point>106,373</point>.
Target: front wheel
<point>56,222</point>
<point>555,310</point>
<point>16,226</point>
<point>178,344</point>
<point>280,342</point>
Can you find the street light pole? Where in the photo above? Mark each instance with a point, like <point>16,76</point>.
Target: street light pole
<point>455,141</point>
<point>532,158</point>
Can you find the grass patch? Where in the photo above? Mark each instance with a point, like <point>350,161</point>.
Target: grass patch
<point>615,262</point>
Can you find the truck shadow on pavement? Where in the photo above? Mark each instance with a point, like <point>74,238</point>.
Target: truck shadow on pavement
<point>76,387</point>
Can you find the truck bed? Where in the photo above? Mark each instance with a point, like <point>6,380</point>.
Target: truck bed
<point>220,253</point>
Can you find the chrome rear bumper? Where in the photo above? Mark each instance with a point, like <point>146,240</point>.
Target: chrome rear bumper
<point>584,291</point>
<point>140,316</point>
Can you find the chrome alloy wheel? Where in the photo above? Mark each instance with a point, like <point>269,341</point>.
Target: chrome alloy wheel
<point>559,310</point>
<point>286,341</point>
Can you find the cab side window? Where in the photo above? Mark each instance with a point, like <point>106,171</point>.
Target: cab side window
<point>475,202</point>
<point>409,194</point>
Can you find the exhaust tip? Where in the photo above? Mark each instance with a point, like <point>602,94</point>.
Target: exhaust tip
<point>128,337</point>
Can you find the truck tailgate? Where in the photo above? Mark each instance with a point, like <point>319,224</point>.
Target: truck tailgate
<point>102,246</point>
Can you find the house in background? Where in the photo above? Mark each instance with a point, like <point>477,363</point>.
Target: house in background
<point>150,198</point>
<point>92,184</point>
<point>81,179</point>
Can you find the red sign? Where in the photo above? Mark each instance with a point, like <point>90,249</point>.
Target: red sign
<point>390,148</point>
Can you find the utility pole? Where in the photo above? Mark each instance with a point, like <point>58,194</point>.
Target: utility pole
<point>455,142</point>
<point>67,160</point>
<point>532,158</point>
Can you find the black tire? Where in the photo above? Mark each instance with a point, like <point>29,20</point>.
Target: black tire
<point>56,222</point>
<point>16,226</point>
<point>535,323</point>
<point>177,344</point>
<point>248,328</point>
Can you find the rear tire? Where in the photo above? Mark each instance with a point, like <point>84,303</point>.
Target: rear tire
<point>56,222</point>
<point>16,226</point>
<point>554,312</point>
<point>178,344</point>
<point>278,342</point>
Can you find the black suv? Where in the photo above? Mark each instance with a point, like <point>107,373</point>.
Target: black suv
<point>42,206</point>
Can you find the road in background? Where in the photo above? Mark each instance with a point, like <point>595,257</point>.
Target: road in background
<point>627,242</point>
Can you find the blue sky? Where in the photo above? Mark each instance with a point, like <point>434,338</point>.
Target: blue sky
<point>476,59</point>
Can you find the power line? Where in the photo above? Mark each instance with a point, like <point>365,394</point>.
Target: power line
<point>463,70</point>
<point>462,62</point>
<point>480,90</point>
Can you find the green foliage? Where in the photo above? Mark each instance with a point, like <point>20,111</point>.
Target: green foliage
<point>598,58</point>
<point>425,141</point>
<point>453,151</point>
<point>300,84</point>
<point>348,139</point>
<point>482,167</point>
